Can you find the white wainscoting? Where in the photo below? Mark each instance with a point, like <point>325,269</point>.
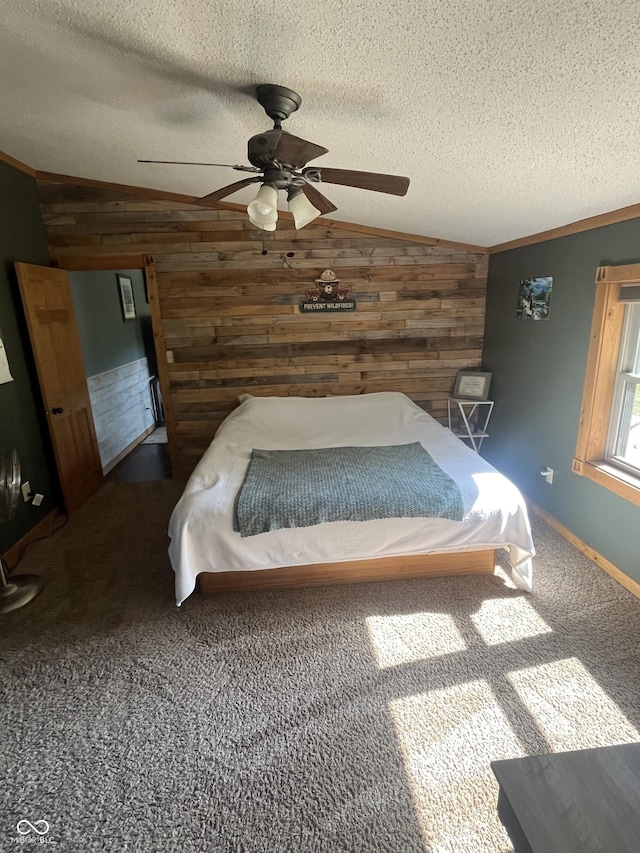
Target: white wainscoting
<point>122,407</point>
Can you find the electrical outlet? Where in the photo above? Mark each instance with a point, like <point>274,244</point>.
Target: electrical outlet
<point>26,491</point>
<point>37,499</point>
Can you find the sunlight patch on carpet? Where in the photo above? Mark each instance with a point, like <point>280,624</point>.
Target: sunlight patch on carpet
<point>447,739</point>
<point>413,637</point>
<point>506,620</point>
<point>569,706</point>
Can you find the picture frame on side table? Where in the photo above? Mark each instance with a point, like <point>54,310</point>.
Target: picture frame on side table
<point>125,286</point>
<point>472,385</point>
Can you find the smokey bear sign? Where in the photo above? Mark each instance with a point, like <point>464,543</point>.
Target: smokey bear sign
<point>327,295</point>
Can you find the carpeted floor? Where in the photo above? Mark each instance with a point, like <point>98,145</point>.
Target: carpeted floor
<point>356,718</point>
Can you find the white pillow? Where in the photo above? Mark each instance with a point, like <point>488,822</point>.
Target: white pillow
<point>314,417</point>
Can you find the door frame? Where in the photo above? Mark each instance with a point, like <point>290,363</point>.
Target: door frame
<point>146,263</point>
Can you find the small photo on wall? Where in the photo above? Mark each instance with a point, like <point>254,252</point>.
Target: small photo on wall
<point>125,284</point>
<point>534,297</point>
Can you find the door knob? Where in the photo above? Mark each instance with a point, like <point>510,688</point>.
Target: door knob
<point>57,410</point>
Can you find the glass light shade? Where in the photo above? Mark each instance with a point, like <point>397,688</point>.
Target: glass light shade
<point>264,207</point>
<point>265,226</point>
<point>302,210</point>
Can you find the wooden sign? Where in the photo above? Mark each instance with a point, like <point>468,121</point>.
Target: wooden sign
<point>327,295</point>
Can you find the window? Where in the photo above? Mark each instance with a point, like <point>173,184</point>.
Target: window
<point>623,443</point>
<point>608,446</point>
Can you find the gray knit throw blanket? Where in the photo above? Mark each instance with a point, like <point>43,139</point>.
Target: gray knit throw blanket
<point>301,488</point>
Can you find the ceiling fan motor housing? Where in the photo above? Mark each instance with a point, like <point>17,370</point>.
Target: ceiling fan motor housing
<point>278,178</point>
<point>261,148</point>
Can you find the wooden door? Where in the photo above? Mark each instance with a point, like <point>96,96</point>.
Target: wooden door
<point>46,296</point>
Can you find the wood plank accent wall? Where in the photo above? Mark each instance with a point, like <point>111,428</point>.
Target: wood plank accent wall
<point>229,299</point>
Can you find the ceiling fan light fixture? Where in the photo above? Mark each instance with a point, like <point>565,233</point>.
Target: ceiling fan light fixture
<point>300,208</point>
<point>264,226</point>
<point>264,208</point>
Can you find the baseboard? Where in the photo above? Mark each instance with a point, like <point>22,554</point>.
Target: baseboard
<point>43,528</point>
<point>128,449</point>
<point>600,561</point>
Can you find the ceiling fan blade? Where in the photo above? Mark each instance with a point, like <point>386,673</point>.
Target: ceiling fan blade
<point>392,184</point>
<point>223,192</point>
<point>187,163</point>
<point>319,201</point>
<point>296,152</point>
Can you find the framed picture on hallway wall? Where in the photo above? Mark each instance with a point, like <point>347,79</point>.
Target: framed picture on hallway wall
<point>126,297</point>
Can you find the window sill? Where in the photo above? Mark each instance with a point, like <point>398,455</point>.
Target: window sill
<point>625,485</point>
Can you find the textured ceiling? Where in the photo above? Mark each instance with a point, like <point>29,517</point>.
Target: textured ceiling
<point>509,116</point>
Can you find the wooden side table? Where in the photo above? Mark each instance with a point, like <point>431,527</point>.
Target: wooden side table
<point>586,801</point>
<point>469,419</point>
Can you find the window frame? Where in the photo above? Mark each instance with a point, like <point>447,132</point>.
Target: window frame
<point>624,378</point>
<point>607,329</point>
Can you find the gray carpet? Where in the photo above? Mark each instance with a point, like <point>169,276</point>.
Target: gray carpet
<point>358,718</point>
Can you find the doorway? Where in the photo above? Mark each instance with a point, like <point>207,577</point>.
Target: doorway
<point>116,338</point>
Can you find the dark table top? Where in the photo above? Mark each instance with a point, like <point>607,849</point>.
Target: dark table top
<point>587,801</point>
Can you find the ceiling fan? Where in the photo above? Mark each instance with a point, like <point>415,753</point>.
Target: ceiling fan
<point>279,162</point>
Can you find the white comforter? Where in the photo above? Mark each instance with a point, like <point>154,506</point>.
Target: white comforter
<point>201,527</point>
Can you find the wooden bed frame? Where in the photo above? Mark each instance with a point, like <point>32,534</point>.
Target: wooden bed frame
<point>353,571</point>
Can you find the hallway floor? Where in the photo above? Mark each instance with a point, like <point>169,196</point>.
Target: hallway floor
<point>145,462</point>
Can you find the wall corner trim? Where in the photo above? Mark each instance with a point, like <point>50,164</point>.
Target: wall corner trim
<point>17,164</point>
<point>622,214</point>
<point>600,561</point>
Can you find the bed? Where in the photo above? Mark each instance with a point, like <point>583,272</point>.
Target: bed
<point>372,432</point>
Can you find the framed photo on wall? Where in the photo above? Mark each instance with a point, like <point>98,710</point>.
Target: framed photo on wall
<point>534,297</point>
<point>125,286</point>
<point>472,385</point>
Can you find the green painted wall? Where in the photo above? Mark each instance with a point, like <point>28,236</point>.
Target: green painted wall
<point>106,339</point>
<point>22,423</point>
<point>538,374</point>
